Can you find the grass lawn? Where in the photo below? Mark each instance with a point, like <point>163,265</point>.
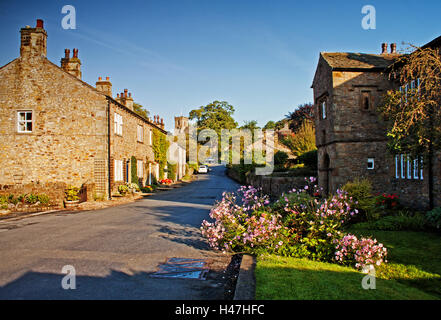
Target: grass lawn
<point>413,272</point>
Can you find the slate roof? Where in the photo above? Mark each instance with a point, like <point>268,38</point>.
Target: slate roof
<point>362,61</point>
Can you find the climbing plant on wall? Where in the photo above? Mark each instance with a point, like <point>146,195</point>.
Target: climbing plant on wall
<point>160,146</point>
<point>171,171</point>
<point>134,170</point>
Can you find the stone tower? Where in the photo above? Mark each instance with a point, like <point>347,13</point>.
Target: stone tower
<point>181,125</point>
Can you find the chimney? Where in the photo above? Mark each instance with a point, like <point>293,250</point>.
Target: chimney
<point>384,48</point>
<point>33,41</point>
<point>126,99</point>
<point>393,48</point>
<point>71,65</point>
<point>162,123</point>
<point>104,86</point>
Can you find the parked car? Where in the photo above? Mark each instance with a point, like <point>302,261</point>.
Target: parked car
<point>203,169</point>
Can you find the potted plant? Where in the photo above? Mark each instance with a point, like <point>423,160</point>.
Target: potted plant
<point>72,198</point>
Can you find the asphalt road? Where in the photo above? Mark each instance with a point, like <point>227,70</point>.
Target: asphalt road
<point>115,250</point>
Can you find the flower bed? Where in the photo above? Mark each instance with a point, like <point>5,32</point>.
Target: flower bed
<point>165,181</point>
<point>299,224</point>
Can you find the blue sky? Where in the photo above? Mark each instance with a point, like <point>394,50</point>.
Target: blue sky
<point>175,56</point>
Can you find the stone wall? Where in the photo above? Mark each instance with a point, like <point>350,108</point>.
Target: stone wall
<point>124,146</point>
<point>353,132</point>
<point>273,186</point>
<point>69,125</point>
<point>55,190</point>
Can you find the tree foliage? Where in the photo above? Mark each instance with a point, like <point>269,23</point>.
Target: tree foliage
<point>217,115</point>
<point>303,140</point>
<point>304,112</point>
<point>412,110</point>
<point>270,125</point>
<point>140,110</point>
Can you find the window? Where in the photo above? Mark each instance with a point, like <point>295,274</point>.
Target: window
<point>370,163</point>
<point>407,168</point>
<point>365,102</point>
<point>140,168</point>
<point>150,137</point>
<point>402,167</point>
<point>24,121</point>
<point>324,110</point>
<point>119,175</point>
<point>118,124</point>
<point>140,133</point>
<point>415,169</point>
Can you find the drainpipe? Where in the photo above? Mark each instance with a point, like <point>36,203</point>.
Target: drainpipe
<point>108,150</point>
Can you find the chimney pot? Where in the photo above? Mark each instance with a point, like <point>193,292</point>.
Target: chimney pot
<point>39,23</point>
<point>117,95</point>
<point>393,48</point>
<point>384,48</point>
<point>67,53</point>
<point>75,53</point>
<point>107,78</point>
<point>130,94</point>
<point>99,78</point>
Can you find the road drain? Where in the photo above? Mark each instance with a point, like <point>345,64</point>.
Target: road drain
<point>182,268</point>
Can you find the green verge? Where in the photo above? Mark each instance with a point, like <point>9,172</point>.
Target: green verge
<point>413,272</point>
<point>285,278</point>
<point>414,258</point>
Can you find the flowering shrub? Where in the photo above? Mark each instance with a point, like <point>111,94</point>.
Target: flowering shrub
<point>363,252</point>
<point>147,189</point>
<point>241,223</point>
<point>165,181</point>
<point>387,201</point>
<point>299,224</point>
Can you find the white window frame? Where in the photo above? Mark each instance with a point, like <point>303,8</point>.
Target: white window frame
<point>323,109</point>
<point>415,169</point>
<point>140,133</point>
<point>25,121</point>
<point>421,168</point>
<point>118,170</point>
<point>402,167</point>
<point>118,120</point>
<point>140,168</point>
<point>371,161</point>
<point>409,168</point>
<point>150,137</point>
<point>396,168</point>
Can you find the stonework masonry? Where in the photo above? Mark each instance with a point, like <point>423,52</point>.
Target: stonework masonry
<point>351,137</point>
<point>56,129</point>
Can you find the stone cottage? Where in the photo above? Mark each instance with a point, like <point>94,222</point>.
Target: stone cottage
<point>351,137</point>
<point>57,130</point>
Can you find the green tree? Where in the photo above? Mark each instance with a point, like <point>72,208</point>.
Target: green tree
<point>251,125</point>
<point>140,110</point>
<point>412,110</point>
<point>304,112</point>
<point>217,115</point>
<point>270,125</point>
<point>303,140</point>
